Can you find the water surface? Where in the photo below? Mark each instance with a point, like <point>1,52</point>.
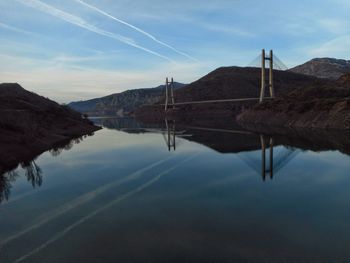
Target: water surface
<point>144,193</point>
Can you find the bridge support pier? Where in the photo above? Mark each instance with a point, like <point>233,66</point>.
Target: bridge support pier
<point>263,75</point>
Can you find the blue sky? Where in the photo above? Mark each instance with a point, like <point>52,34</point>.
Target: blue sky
<point>79,49</point>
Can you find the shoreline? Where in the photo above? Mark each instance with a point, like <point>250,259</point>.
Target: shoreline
<point>14,153</point>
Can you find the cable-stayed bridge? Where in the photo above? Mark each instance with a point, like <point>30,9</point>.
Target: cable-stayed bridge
<point>259,61</point>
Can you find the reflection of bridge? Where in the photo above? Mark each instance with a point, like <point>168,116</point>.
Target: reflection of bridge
<point>273,61</point>
<point>275,161</point>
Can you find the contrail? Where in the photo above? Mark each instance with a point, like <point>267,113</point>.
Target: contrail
<point>81,200</point>
<point>135,28</point>
<point>15,29</point>
<point>78,21</point>
<point>97,211</point>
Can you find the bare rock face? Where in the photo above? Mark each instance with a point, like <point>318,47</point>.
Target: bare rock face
<point>330,68</point>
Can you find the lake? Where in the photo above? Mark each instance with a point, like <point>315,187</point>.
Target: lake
<point>179,193</point>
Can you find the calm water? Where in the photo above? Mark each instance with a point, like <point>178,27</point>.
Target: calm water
<point>132,193</point>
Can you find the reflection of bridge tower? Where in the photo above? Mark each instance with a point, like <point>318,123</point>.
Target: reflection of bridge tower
<point>169,91</point>
<point>278,157</point>
<point>265,171</point>
<point>263,73</point>
<point>171,135</point>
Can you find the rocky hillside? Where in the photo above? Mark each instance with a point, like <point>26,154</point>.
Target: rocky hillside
<point>121,104</point>
<point>238,82</point>
<point>324,68</point>
<point>31,124</point>
<point>226,83</point>
<point>320,105</point>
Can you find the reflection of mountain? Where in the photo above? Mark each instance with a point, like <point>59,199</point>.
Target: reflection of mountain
<point>317,140</point>
<point>32,171</point>
<point>125,124</point>
<point>226,136</point>
<point>256,147</point>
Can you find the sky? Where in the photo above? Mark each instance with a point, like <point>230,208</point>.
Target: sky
<point>71,50</point>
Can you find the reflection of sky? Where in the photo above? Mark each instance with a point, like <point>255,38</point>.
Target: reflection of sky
<point>212,200</point>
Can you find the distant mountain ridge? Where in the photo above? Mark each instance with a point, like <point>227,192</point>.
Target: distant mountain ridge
<point>121,104</point>
<point>330,68</point>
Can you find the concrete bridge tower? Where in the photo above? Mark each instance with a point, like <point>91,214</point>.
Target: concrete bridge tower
<point>263,75</point>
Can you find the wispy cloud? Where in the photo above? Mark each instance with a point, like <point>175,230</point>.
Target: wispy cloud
<point>136,28</point>
<point>78,21</point>
<point>225,29</point>
<point>68,81</point>
<point>15,29</point>
<point>337,47</point>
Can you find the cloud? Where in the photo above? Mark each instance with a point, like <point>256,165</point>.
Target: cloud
<point>337,47</point>
<point>230,30</point>
<point>78,21</point>
<point>15,29</point>
<point>335,26</point>
<point>69,81</point>
<point>135,28</point>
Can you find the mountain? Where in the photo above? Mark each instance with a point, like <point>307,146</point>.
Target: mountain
<point>31,124</point>
<point>121,104</point>
<point>324,68</point>
<point>238,82</point>
<point>316,106</point>
<point>225,83</point>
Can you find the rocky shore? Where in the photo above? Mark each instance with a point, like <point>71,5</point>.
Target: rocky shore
<point>317,106</point>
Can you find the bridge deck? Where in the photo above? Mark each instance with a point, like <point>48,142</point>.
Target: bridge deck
<point>213,101</point>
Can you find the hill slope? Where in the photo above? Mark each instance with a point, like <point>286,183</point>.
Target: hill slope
<point>238,82</point>
<point>317,106</point>
<point>121,104</point>
<point>324,68</point>
<point>31,124</point>
<point>225,83</point>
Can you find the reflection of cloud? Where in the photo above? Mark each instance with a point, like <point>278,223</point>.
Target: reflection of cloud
<point>81,200</point>
<point>110,204</point>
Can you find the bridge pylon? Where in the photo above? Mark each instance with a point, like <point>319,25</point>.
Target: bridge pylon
<point>169,94</point>
<point>263,75</point>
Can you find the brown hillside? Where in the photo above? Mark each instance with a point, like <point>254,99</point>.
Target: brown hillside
<point>31,124</point>
<point>237,82</point>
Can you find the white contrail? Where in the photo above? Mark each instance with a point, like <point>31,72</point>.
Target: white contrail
<point>78,21</point>
<point>135,28</point>
<point>15,29</point>
<point>97,211</point>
